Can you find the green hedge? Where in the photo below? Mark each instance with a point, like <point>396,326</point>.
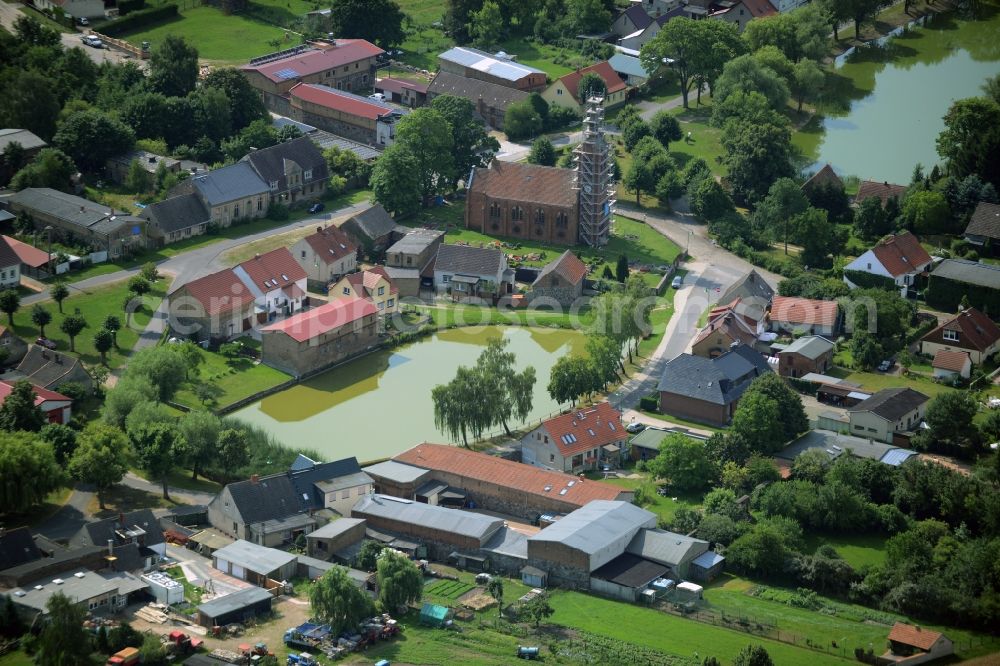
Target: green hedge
<point>945,294</point>
<point>802,386</point>
<point>650,403</point>
<point>869,280</point>
<point>139,19</point>
<point>126,7</point>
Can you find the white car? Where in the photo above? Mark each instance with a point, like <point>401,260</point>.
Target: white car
<point>678,281</point>
<point>96,42</point>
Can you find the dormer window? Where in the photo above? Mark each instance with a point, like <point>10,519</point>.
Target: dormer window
<point>951,336</point>
<point>307,174</point>
<point>274,185</point>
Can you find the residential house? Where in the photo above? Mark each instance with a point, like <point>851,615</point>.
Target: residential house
<point>468,272</point>
<point>824,178</point>
<point>118,167</point>
<point>75,8</point>
<point>56,407</point>
<point>338,536</point>
<point>636,40</point>
<point>882,191</point>
<point>17,547</point>
<point>752,294</point>
<point>811,353</point>
<point>277,282</point>
<point>76,219</point>
<point>948,365</point>
<point>657,7</point>
<point>630,69</point>
<point>215,307</point>
<point>372,285</point>
<point>899,258</point>
<point>345,114</point>
<point>501,68</point>
<point>232,193</point>
<point>560,282</point>
<point>10,266</point>
<point>741,12</point>
<point>565,92</point>
<point>577,441</point>
<point>724,329</point>
<point>176,218</point>
<point>984,226</point>
<point>911,644</point>
<point>954,279</point>
<point>708,390</point>
<point>835,444</point>
<point>343,64</point>
<point>373,229</point>
<point>14,344</point>
<point>293,170</point>
<point>320,337</point>
<point>95,592</point>
<point>527,201</point>
<point>254,563</point>
<point>633,18</point>
<point>401,91</point>
<point>490,99</point>
<point>790,314</point>
<point>888,412</point>
<point>234,608</point>
<point>970,331</point>
<point>273,510</point>
<point>139,529</point>
<point>50,369</point>
<point>325,256</point>
<point>490,482</point>
<point>414,250</point>
<point>33,260</point>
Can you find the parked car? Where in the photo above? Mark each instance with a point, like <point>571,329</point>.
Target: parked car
<point>95,42</point>
<point>678,281</point>
<point>886,365</point>
<point>82,21</point>
<point>317,207</point>
<point>45,342</point>
<point>635,427</point>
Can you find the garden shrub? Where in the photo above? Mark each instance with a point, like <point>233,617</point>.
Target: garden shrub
<point>140,19</point>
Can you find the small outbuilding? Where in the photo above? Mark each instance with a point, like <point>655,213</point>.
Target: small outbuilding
<point>707,566</point>
<point>254,564</point>
<point>534,577</point>
<point>236,607</point>
<point>626,576</point>
<point>951,364</point>
<point>433,615</point>
<point>913,644</point>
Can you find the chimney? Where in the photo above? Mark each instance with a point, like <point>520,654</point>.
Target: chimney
<point>111,547</point>
<point>121,519</point>
<point>82,209</point>
<point>254,478</point>
<point>319,230</point>
<point>257,256</point>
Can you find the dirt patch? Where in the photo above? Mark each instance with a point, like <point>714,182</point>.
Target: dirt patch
<point>477,599</point>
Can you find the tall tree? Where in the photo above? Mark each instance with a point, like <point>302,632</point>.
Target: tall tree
<point>64,641</point>
<point>538,608</point>
<point>542,152</point>
<point>173,67</point>
<point>31,103</point>
<point>815,233</point>
<point>156,446</point>
<point>41,318</point>
<point>164,367</point>
<point>458,411</point>
<point>665,128</point>
<point>605,355</point>
<point>233,451</point>
<point>245,105</point>
<point>91,137</point>
<point>31,31</point>
<point>378,21</point>
<point>747,74</point>
<point>395,180</point>
<point>426,133</point>
<point>200,430</point>
<point>19,411</point>
<point>681,41</point>
<point>806,82</point>
<point>399,581</point>
<point>486,26</point>
<point>10,302</point>
<point>584,17</point>
<point>51,167</point>
<point>72,325</point>
<point>59,292</point>
<point>572,376</point>
<point>684,463</point>
<point>753,655</point>
<point>104,340</point>
<point>29,469</point>
<point>472,146</point>
<point>101,457</point>
<point>62,438</point>
<point>773,215</point>
<point>112,324</point>
<point>590,85</point>
<point>756,155</point>
<point>494,588</point>
<point>336,600</point>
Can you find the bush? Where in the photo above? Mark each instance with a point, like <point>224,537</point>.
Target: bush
<point>126,7</point>
<point>277,212</point>
<point>140,19</point>
<point>649,403</point>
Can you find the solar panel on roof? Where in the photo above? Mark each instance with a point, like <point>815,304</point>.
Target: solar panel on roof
<point>286,73</point>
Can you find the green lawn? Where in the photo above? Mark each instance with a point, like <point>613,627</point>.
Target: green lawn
<point>669,633</point>
<point>876,381</point>
<point>705,139</point>
<point>664,507</point>
<point>16,658</point>
<point>236,379</point>
<point>94,304</point>
<point>858,549</point>
<point>181,478</point>
<point>44,20</point>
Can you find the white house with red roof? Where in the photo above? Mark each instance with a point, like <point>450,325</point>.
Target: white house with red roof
<point>321,337</point>
<point>900,257</point>
<point>56,407</point>
<point>911,644</point>
<point>218,306</point>
<point>373,285</point>
<point>326,255</point>
<point>741,12</point>
<point>277,282</point>
<point>565,91</point>
<point>969,331</point>
<point>577,441</point>
<point>950,364</point>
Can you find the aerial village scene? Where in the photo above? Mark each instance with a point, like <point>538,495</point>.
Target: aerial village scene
<point>437,332</point>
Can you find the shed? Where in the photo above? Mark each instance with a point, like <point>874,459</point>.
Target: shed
<point>252,563</point>
<point>689,591</point>
<point>433,615</point>
<point>235,607</point>
<point>707,566</point>
<point>534,577</point>
<point>626,576</point>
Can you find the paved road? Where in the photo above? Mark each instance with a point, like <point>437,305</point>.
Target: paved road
<point>10,13</point>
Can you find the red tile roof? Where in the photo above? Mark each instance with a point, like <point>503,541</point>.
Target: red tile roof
<point>331,244</point>
<point>794,310</point>
<point>345,52</point>
<point>219,292</point>
<point>353,105</point>
<point>568,266</point>
<point>901,254</point>
<point>950,360</point>
<point>365,281</point>
<point>585,429</point>
<point>731,324</point>
<point>274,269</point>
<point>918,637</point>
<point>527,183</point>
<point>42,395</point>
<point>825,176</point>
<point>758,8</point>
<point>975,331</point>
<point>507,473</point>
<point>28,254</point>
<point>883,191</point>
<point>312,323</point>
<point>603,69</point>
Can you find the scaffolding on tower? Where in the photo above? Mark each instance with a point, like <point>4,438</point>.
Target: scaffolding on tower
<point>595,180</point>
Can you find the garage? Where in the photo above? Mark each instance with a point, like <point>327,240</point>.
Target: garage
<point>255,564</point>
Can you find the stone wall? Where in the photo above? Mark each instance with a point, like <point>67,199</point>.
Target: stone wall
<point>564,295</point>
<point>281,351</point>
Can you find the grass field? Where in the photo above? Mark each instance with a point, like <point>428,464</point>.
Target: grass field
<point>858,550</point>
<point>94,304</point>
<point>664,507</point>
<point>236,379</point>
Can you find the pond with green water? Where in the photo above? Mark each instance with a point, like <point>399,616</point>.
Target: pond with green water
<point>885,103</point>
<point>380,405</point>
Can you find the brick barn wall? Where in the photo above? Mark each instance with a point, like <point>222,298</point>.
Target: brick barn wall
<point>477,216</point>
<point>695,410</point>
<point>511,501</point>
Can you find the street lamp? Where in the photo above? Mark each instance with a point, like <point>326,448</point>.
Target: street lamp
<point>48,263</point>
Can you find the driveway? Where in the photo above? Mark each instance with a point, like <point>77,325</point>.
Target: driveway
<point>10,13</point>
<point>198,570</point>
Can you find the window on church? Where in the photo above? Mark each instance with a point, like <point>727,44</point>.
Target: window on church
<point>562,220</point>
<point>539,216</point>
<point>517,213</point>
<point>495,210</point>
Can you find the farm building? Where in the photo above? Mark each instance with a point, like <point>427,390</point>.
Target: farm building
<point>335,538</point>
<point>254,564</point>
<point>234,608</point>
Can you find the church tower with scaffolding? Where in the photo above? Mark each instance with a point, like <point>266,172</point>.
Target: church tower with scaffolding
<point>594,179</point>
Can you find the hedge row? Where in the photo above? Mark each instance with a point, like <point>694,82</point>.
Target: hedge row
<point>126,7</point>
<point>650,403</point>
<point>139,19</point>
<point>870,280</point>
<point>945,294</point>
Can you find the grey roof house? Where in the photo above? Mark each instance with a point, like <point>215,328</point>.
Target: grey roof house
<point>954,278</point>
<point>490,99</point>
<point>465,271</point>
<point>231,193</point>
<point>984,225</point>
<point>887,413</point>
<point>675,551</point>
<point>292,170</point>
<point>176,218</point>
<point>708,390</point>
<point>50,369</point>
<point>139,529</point>
<point>372,228</point>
